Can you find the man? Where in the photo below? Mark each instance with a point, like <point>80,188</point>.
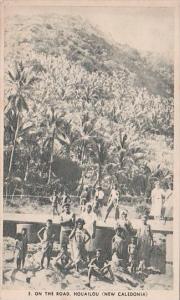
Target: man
<point>63,262</point>
<point>99,267</point>
<point>67,222</point>
<point>83,199</point>
<point>100,196</point>
<point>114,202</point>
<point>90,225</point>
<point>144,243</point>
<point>157,197</point>
<point>47,242</point>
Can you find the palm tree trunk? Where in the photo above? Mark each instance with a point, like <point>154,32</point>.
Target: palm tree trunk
<point>26,172</point>
<point>14,145</point>
<point>100,174</point>
<point>51,159</point>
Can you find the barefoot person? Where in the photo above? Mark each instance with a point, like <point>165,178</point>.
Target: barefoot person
<point>63,261</point>
<point>99,267</point>
<point>25,244</point>
<point>80,237</point>
<point>119,249</point>
<point>18,251</point>
<point>47,240</point>
<point>144,243</point>
<point>127,225</point>
<point>90,225</point>
<point>67,222</point>
<point>113,202</point>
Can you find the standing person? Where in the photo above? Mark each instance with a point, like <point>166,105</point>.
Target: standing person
<point>25,244</point>
<point>132,251</point>
<point>168,203</point>
<point>18,251</point>
<point>67,222</point>
<point>119,248</point>
<point>99,195</point>
<point>113,202</point>
<point>99,267</point>
<point>127,225</point>
<point>144,243</point>
<point>80,237</point>
<point>55,202</point>
<point>90,226</point>
<point>157,196</point>
<point>65,199</point>
<point>47,240</point>
<point>83,199</point>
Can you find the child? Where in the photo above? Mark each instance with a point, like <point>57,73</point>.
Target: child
<point>63,261</point>
<point>25,244</point>
<point>18,251</point>
<point>47,242</point>
<point>80,237</point>
<point>132,251</point>
<point>99,267</point>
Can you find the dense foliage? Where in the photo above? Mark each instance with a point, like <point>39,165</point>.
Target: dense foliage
<point>70,110</point>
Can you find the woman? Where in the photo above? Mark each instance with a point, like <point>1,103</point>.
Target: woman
<point>168,204</point>
<point>67,222</point>
<point>124,222</point>
<point>157,196</point>
<point>80,237</point>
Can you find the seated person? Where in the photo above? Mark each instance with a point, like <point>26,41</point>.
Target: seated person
<point>99,267</point>
<point>63,261</point>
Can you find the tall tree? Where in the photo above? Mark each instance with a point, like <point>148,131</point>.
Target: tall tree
<point>21,81</point>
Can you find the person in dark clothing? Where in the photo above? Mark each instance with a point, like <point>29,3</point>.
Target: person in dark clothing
<point>99,267</point>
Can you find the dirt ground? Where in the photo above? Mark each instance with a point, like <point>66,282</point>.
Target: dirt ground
<point>48,279</point>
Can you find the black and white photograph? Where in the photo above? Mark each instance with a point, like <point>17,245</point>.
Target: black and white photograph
<point>88,150</point>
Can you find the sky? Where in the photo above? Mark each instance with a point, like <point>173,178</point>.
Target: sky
<point>145,28</point>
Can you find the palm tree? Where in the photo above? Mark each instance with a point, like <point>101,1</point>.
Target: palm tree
<point>21,82</point>
<point>99,154</point>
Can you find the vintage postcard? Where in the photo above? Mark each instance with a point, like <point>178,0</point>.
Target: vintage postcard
<point>90,164</point>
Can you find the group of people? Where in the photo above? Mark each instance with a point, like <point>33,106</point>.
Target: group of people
<point>131,248</point>
<point>162,201</point>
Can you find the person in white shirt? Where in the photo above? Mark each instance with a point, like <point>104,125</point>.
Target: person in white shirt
<point>113,202</point>
<point>99,195</point>
<point>168,203</point>
<point>157,197</point>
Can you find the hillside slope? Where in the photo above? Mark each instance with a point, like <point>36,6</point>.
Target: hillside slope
<point>86,45</point>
